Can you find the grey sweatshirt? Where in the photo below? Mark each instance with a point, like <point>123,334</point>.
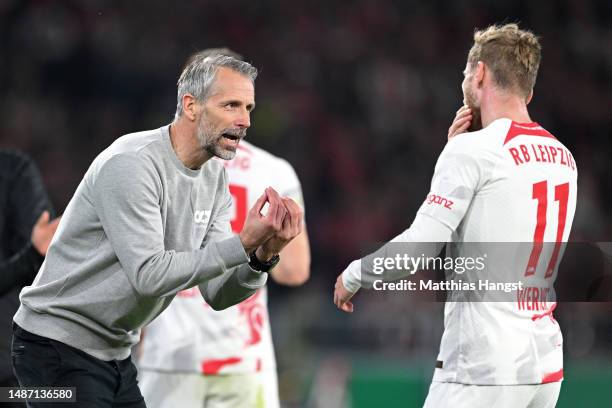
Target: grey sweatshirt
<point>140,228</point>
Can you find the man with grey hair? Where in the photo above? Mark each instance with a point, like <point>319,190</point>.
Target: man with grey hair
<point>150,219</point>
<point>194,357</point>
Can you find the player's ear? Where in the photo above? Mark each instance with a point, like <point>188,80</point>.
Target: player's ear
<point>480,73</point>
<point>189,106</point>
<point>529,97</point>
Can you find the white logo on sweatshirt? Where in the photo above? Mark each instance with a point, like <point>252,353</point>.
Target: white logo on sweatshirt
<point>201,217</point>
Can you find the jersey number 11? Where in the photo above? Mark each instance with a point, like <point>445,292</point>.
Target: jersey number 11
<point>540,193</point>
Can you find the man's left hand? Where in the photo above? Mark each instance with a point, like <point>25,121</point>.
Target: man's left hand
<point>292,227</point>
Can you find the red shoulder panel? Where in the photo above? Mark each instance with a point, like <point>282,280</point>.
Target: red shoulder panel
<point>526,129</point>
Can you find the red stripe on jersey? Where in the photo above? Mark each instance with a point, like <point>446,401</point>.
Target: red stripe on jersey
<point>212,367</point>
<point>553,377</point>
<point>549,313</point>
<point>258,366</point>
<point>526,129</point>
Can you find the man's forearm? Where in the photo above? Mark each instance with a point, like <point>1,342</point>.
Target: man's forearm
<point>232,287</point>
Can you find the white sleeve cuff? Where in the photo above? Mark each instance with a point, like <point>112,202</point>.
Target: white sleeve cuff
<point>351,277</point>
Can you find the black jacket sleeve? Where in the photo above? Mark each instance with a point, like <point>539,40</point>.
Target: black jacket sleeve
<point>20,269</point>
<point>25,201</point>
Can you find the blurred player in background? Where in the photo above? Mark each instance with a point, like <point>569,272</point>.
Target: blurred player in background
<point>151,218</point>
<point>512,181</point>
<point>25,234</point>
<point>193,356</point>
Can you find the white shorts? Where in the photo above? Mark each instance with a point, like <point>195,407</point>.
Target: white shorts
<point>269,382</point>
<point>170,390</point>
<point>453,395</point>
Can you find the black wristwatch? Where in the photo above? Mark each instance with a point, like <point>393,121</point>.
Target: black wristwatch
<point>260,266</point>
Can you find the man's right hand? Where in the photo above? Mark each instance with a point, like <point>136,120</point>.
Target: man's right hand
<point>461,123</point>
<point>259,228</point>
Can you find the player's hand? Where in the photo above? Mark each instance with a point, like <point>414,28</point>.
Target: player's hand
<point>260,228</point>
<point>342,297</point>
<point>43,231</point>
<point>292,227</point>
<point>461,123</point>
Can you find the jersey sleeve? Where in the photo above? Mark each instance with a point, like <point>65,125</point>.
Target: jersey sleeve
<point>457,176</point>
<point>425,237</point>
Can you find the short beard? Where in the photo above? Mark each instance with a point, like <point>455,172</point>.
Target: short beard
<point>470,100</point>
<point>210,142</point>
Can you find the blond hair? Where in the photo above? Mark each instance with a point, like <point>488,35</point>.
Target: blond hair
<point>513,56</point>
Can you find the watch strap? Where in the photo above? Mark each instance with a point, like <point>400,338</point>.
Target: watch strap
<point>262,266</point>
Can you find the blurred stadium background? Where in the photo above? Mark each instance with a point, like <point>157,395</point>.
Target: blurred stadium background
<point>358,96</point>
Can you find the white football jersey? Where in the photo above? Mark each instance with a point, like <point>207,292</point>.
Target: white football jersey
<point>191,337</point>
<point>509,182</point>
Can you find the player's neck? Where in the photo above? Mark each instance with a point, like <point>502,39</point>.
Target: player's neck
<point>186,145</point>
<point>499,106</point>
